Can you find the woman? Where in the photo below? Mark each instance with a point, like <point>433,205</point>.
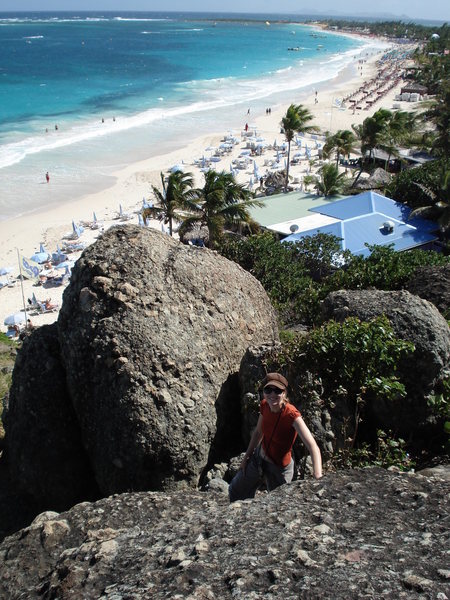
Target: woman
<point>269,453</point>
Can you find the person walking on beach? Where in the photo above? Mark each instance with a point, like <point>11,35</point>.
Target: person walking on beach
<point>269,454</point>
<point>47,177</point>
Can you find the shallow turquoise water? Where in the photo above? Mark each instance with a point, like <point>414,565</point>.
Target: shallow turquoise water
<point>123,87</point>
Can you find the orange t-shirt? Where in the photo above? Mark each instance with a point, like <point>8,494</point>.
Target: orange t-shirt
<point>278,433</point>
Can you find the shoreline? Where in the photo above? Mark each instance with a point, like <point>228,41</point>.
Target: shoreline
<point>133,182</point>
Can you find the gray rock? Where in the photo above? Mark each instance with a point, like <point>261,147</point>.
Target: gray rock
<point>303,541</point>
<point>43,438</point>
<point>433,284</point>
<point>144,361</point>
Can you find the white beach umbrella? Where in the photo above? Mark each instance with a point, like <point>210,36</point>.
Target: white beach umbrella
<point>15,319</point>
<point>178,167</point>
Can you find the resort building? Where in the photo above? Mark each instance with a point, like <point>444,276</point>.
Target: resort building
<point>358,221</point>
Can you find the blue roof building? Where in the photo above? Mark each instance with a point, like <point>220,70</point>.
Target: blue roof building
<point>370,218</point>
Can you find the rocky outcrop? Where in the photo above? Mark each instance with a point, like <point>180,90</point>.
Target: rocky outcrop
<point>141,369</point>
<point>43,437</point>
<point>433,284</point>
<point>360,534</point>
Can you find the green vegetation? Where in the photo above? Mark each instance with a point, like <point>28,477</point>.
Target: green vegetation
<point>176,190</point>
<point>343,143</point>
<point>393,29</point>
<point>7,358</point>
<point>295,121</point>
<point>387,452</point>
<point>356,362</point>
<point>409,186</point>
<point>358,357</point>
<point>297,277</point>
<point>330,182</point>
<point>220,203</point>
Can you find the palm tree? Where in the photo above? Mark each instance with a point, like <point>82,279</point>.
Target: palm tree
<point>398,130</point>
<point>439,114</point>
<point>177,189</point>
<point>439,209</point>
<point>295,121</point>
<point>342,142</point>
<point>221,201</point>
<point>331,182</point>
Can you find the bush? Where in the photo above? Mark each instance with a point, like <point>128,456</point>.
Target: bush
<point>359,357</point>
<point>298,276</point>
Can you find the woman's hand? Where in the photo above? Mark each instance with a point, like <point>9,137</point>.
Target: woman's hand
<point>244,463</point>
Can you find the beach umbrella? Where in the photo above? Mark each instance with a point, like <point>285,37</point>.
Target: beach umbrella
<point>6,270</point>
<point>77,229</point>
<point>176,168</point>
<point>245,153</point>
<point>39,257</point>
<point>15,319</point>
<point>210,149</point>
<point>66,264</point>
<point>140,220</point>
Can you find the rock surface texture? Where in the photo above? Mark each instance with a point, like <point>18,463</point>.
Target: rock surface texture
<point>358,534</point>
<point>142,363</point>
<point>433,284</point>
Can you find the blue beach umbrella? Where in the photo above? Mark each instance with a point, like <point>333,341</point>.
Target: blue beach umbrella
<point>67,264</point>
<point>39,257</point>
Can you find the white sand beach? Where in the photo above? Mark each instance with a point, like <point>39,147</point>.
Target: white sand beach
<point>133,183</point>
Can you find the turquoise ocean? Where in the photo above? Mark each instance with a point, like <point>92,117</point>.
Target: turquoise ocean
<point>123,87</point>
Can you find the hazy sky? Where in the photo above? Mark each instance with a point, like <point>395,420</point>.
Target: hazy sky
<point>420,9</point>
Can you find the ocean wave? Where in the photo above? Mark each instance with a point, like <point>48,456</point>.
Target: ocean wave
<point>166,31</point>
<point>284,70</point>
<point>136,19</point>
<point>195,96</point>
<point>33,37</point>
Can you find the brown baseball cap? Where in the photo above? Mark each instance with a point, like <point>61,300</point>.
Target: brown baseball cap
<point>276,380</point>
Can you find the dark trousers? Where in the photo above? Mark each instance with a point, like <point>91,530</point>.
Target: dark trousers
<point>258,471</point>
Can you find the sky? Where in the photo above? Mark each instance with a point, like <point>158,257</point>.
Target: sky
<point>414,9</point>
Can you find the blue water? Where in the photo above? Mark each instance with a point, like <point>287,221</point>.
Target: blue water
<point>123,87</point>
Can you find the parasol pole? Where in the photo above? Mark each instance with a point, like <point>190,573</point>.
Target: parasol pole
<point>21,287</point>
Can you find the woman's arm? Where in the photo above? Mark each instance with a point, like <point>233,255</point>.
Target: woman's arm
<point>254,441</point>
<point>306,436</point>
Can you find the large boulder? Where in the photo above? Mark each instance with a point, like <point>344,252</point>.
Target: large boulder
<point>359,534</point>
<point>149,341</point>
